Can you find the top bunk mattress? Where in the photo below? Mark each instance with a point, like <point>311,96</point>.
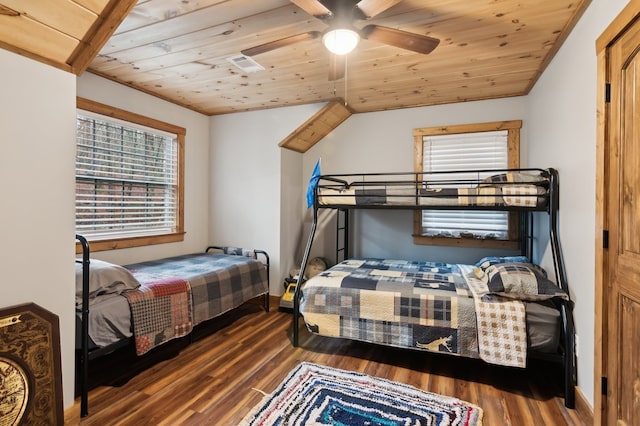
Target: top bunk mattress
<point>502,189</point>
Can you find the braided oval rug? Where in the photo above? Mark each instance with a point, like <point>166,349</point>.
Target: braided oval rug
<point>316,395</point>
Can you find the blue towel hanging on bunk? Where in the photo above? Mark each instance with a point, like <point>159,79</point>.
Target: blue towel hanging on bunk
<point>313,182</point>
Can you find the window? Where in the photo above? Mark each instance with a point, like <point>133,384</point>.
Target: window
<point>129,178</point>
<point>467,148</point>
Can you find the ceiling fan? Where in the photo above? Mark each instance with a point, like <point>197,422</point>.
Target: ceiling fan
<point>341,36</point>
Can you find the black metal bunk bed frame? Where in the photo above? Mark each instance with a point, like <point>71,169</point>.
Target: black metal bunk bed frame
<point>84,354</point>
<point>567,354</point>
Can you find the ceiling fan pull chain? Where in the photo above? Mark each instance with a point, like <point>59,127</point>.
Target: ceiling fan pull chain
<point>346,78</point>
<point>335,91</point>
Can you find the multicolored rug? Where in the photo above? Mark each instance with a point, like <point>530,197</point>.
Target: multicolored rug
<point>316,395</point>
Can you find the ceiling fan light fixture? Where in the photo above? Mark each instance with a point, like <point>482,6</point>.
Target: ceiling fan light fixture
<point>340,41</point>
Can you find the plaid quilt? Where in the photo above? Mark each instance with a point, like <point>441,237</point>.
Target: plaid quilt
<point>502,327</point>
<point>215,284</point>
<point>420,305</point>
<point>507,189</point>
<point>437,307</point>
<point>494,195</point>
<point>160,311</point>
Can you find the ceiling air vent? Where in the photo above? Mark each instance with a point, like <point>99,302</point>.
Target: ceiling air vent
<point>245,63</point>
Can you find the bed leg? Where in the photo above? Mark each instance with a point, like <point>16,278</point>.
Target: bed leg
<point>569,355</point>
<point>266,302</point>
<point>295,326</point>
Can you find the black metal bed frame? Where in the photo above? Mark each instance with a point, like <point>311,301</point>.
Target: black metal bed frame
<point>419,180</point>
<point>84,354</point>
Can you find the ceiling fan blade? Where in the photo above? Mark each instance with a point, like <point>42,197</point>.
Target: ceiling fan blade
<point>371,8</point>
<point>313,8</point>
<point>402,39</point>
<point>276,44</point>
<point>336,67</point>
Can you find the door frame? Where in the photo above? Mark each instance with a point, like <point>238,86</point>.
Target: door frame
<point>628,15</point>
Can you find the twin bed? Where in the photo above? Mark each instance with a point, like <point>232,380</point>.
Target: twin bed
<point>500,309</point>
<point>150,303</point>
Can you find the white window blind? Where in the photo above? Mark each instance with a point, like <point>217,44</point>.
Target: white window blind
<point>126,178</point>
<point>465,152</point>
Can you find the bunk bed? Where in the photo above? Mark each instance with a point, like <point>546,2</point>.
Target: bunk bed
<point>147,304</point>
<point>439,307</point>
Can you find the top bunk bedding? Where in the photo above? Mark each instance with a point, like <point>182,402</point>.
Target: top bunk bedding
<point>490,189</point>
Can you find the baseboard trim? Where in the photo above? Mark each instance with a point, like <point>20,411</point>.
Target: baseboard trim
<point>583,407</point>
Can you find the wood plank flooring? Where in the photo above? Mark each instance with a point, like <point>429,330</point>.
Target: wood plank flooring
<point>216,380</point>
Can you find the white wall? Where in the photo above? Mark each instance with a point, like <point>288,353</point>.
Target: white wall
<point>383,142</point>
<point>38,186</point>
<point>196,193</point>
<point>37,118</point>
<point>562,134</point>
<point>247,175</point>
<point>291,231</point>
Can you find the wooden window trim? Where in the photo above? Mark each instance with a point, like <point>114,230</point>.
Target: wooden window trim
<point>513,145</point>
<point>180,132</point>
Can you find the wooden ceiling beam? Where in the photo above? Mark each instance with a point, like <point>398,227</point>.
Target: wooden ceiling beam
<point>97,36</point>
<point>317,127</point>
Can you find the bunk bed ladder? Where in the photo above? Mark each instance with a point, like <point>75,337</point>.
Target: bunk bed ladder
<point>342,230</point>
<point>303,267</point>
<point>526,234</point>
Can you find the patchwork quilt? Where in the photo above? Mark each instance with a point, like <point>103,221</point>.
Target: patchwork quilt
<point>505,189</point>
<point>437,307</point>
<point>211,283</point>
<point>399,303</point>
<point>160,311</point>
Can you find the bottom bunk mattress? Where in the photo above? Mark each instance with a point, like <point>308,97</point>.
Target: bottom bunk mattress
<point>159,300</point>
<point>427,306</point>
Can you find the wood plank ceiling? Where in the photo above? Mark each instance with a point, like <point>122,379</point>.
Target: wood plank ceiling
<point>66,34</point>
<point>179,50</point>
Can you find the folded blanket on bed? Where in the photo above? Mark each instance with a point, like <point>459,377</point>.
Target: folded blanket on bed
<point>160,311</point>
<point>502,328</point>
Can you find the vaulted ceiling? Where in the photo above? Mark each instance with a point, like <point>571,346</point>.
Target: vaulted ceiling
<point>179,50</point>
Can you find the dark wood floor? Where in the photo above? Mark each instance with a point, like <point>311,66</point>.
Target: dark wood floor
<point>215,380</point>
